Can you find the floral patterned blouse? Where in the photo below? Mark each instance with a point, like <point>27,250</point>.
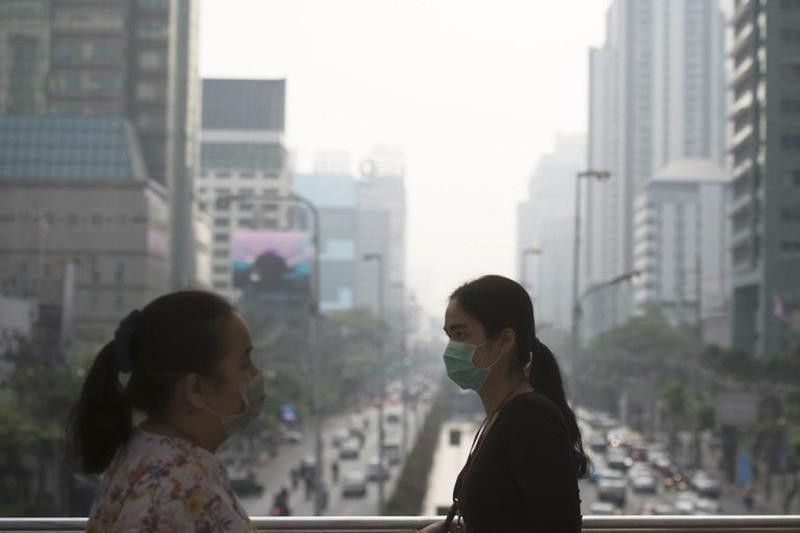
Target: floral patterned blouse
<point>159,483</point>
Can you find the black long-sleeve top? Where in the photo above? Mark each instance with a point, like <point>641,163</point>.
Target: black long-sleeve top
<point>523,477</point>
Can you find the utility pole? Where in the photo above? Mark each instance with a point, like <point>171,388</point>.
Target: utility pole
<point>378,258</point>
<point>315,317</point>
<point>600,175</point>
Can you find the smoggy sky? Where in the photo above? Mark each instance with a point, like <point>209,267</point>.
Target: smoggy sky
<point>472,92</point>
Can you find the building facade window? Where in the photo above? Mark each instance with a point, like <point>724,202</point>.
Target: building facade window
<point>790,247</point>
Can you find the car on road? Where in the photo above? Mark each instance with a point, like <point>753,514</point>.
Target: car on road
<point>339,437</point>
<point>308,466</point>
<point>612,490</point>
<point>639,469</point>
<point>350,449</point>
<point>393,416</point>
<point>685,503</point>
<point>604,509</point>
<point>290,436</point>
<point>660,460</point>
<point>705,506</point>
<point>598,444</point>
<point>644,484</point>
<point>705,486</point>
<point>245,485</point>
<point>663,509</point>
<point>601,472</point>
<point>354,484</point>
<point>617,460</point>
<point>391,452</point>
<point>376,470</point>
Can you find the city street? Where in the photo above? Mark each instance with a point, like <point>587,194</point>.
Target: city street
<point>277,473</point>
<point>450,458</point>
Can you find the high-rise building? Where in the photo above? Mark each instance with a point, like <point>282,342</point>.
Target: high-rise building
<point>545,221</point>
<point>135,59</point>
<point>765,150</point>
<point>334,196</point>
<point>242,155</point>
<point>332,162</point>
<point>681,242</point>
<point>381,201</point>
<point>657,94</point>
<point>74,205</point>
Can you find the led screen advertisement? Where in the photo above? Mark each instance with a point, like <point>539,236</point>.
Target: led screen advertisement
<point>271,260</point>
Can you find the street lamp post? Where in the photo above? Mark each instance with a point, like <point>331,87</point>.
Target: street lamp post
<point>598,287</point>
<point>378,258</point>
<point>600,175</point>
<point>403,351</point>
<point>314,323</point>
<point>524,271</point>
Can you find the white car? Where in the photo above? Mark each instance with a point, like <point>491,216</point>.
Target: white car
<point>685,504</point>
<point>705,486</point>
<point>339,438</point>
<point>376,470</point>
<point>612,490</point>
<point>705,506</point>
<point>604,509</point>
<point>391,452</point>
<point>644,484</point>
<point>354,484</point>
<point>349,449</point>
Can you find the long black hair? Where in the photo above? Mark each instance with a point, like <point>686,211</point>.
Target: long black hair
<point>499,303</point>
<point>174,335</point>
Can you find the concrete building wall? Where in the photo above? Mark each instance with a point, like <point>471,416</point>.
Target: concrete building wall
<point>116,235</point>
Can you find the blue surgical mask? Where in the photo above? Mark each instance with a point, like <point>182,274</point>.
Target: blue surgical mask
<point>460,368</point>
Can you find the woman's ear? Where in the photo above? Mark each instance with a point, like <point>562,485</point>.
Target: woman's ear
<point>508,339</point>
<point>194,389</point>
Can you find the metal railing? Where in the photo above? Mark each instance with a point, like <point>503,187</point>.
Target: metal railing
<point>591,524</point>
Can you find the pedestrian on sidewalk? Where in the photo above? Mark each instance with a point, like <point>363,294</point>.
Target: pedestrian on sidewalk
<point>748,498</point>
<point>280,506</point>
<point>335,472</point>
<point>523,469</point>
<point>793,491</point>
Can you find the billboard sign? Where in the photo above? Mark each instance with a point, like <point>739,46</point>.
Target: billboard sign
<point>271,259</point>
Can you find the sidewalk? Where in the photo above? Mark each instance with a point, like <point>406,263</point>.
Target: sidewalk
<point>732,501</point>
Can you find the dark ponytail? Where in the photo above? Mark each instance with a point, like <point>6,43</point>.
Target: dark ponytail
<point>101,420</point>
<point>174,335</point>
<point>498,303</point>
<point>545,377</point>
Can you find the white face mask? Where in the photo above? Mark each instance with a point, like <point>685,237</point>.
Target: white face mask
<point>253,395</point>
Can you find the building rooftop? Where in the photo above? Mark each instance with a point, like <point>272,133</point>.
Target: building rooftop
<point>326,190</point>
<point>231,104</point>
<point>691,170</point>
<point>68,148</point>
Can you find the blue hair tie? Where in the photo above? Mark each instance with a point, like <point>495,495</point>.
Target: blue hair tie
<point>122,341</point>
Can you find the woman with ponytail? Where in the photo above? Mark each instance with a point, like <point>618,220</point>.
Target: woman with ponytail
<point>527,457</point>
<point>181,365</point>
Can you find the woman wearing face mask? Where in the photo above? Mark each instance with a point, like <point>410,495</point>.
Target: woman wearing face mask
<point>522,473</point>
<point>186,360</point>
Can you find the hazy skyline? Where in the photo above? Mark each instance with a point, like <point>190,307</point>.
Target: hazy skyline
<point>472,93</point>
